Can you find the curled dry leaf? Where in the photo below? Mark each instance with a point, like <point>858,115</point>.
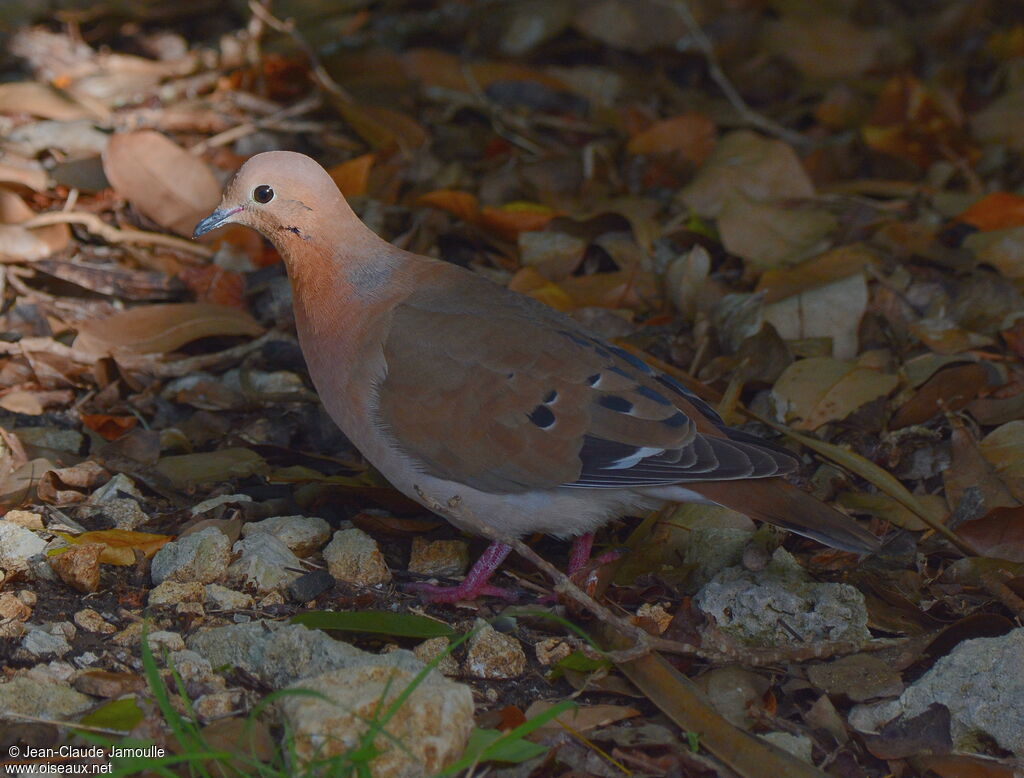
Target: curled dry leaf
<point>120,545</point>
<point>949,389</point>
<point>353,175</point>
<point>162,180</point>
<point>818,390</point>
<point>18,243</point>
<point>159,329</point>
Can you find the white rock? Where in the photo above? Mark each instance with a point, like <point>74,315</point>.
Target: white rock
<point>428,731</point>
<point>304,535</point>
<point>352,556</point>
<point>17,546</point>
<point>265,564</point>
<point>202,556</point>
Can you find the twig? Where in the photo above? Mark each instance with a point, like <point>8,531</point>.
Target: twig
<point>748,114</point>
<point>248,128</point>
<point>644,642</point>
<point>320,75</point>
<point>111,234</point>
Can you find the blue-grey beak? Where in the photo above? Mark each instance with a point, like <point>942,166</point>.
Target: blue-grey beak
<point>214,220</point>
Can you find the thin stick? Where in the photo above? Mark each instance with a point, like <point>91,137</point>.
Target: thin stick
<point>248,128</point>
<point>748,114</point>
<point>111,234</point>
<point>320,75</point>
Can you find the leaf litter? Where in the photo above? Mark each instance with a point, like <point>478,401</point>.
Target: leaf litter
<point>809,215</point>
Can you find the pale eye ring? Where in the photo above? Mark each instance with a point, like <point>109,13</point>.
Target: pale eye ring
<point>263,194</point>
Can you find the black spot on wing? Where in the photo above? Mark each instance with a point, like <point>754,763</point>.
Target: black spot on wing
<point>676,420</point>
<point>550,397</point>
<point>615,403</point>
<point>542,417</point>
<point>592,380</point>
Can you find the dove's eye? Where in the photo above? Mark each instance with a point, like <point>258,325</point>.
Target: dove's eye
<point>263,194</point>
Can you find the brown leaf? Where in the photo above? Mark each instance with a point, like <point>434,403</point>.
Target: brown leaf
<point>21,243</point>
<point>950,389</point>
<point>156,329</point>
<point>109,427</point>
<point>353,175</point>
<point>508,220</point>
<point>820,389</point>
<point>746,163</point>
<point>998,534</point>
<point>120,545</point>
<point>163,181</point>
<point>995,211</point>
<point>222,465</point>
<point>462,205</point>
<point>690,135</point>
<point>38,99</point>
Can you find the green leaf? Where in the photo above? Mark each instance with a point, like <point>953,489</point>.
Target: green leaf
<point>116,714</point>
<point>406,625</point>
<point>508,747</point>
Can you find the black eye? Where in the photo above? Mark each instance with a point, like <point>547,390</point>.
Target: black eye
<point>263,194</point>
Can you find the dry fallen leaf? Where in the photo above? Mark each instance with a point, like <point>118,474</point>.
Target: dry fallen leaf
<point>1004,448</point>
<point>159,329</point>
<point>690,135</point>
<point>19,243</point>
<point>120,544</point>
<point>746,163</point>
<point>768,235</point>
<point>167,184</point>
<point>831,311</point>
<point>814,391</point>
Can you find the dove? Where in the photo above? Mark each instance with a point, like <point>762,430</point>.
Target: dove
<point>452,386</point>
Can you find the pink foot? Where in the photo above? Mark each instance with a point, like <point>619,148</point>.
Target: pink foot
<point>579,554</point>
<point>476,582</point>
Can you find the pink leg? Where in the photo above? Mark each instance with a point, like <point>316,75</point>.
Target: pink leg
<point>579,554</point>
<point>474,584</point>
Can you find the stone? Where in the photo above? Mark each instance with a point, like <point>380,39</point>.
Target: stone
<point>222,598</point>
<point>430,649</point>
<point>174,592</point>
<point>751,606</point>
<point>202,556</point>
<point>352,556</point>
<point>117,488</point>
<point>445,558</point>
<point>79,566</point>
<point>303,535</point>
<point>162,639</point>
<point>265,564</point>
<point>310,585</point>
<point>279,654</point>
<point>190,665</point>
<point>493,655</point>
<point>128,637</point>
<point>17,546</point>
<point>653,618</point>
<point>40,642</point>
<point>35,694</point>
<point>26,519</point>
<point>11,607</point>
<point>124,512</point>
<point>91,621</point>
<point>428,731</point>
<point>217,705</point>
<point>551,651</point>
<point>981,682</point>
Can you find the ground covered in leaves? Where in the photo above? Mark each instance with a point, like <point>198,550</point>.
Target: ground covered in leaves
<point>808,212</point>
